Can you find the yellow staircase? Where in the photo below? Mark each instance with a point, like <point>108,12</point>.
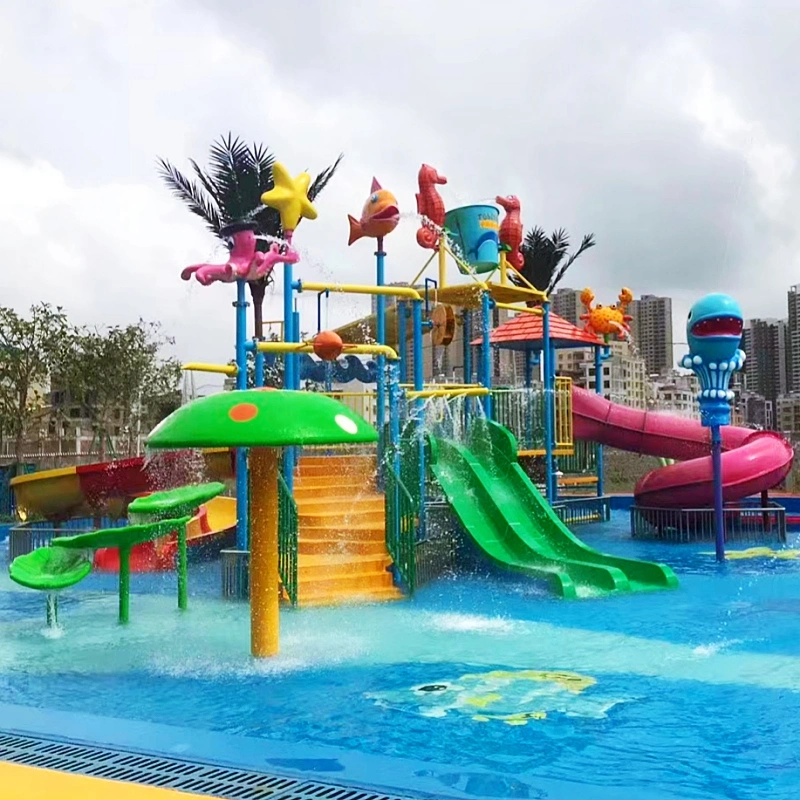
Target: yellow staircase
<point>342,556</point>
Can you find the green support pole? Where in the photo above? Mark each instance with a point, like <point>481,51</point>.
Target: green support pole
<point>124,584</point>
<point>183,592</point>
<point>52,610</point>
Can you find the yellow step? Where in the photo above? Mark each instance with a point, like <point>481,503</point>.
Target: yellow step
<point>368,459</point>
<point>366,532</point>
<point>357,583</point>
<point>335,546</point>
<point>337,519</point>
<point>350,504</point>
<point>331,487</point>
<point>340,468</point>
<point>383,595</point>
<point>312,567</point>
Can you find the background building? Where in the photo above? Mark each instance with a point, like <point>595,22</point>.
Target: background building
<point>651,329</point>
<point>567,304</point>
<point>624,376</point>
<point>767,363</point>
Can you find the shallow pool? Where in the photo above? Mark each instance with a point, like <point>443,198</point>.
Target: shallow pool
<point>477,687</point>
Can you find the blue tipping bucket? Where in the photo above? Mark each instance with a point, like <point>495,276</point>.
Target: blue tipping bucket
<point>474,231</point>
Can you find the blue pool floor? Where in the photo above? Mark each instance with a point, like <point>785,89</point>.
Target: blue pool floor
<point>693,693</point>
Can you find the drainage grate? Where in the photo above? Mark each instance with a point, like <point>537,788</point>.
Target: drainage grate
<point>170,773</point>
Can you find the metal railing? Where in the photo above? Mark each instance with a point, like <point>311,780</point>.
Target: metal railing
<point>362,403</point>
<point>287,540</point>
<point>583,460</point>
<point>235,574</point>
<point>563,433</point>
<point>438,554</point>
<point>522,412</point>
<point>401,529</point>
<point>28,536</point>
<point>743,523</point>
<point>582,510</point>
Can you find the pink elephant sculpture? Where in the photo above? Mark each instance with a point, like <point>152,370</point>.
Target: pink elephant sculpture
<point>245,262</point>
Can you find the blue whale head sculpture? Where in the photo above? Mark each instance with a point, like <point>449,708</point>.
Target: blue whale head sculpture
<point>714,328</point>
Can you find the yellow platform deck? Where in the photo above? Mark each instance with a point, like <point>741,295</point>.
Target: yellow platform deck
<point>33,783</point>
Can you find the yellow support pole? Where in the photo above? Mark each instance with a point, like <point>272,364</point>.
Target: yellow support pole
<point>466,268</point>
<point>264,576</point>
<point>371,350</point>
<point>218,369</point>
<point>425,393</point>
<point>442,253</point>
<point>528,284</point>
<point>349,349</point>
<point>352,288</point>
<point>523,309</point>
<point>503,268</point>
<point>422,271</point>
<point>443,386</point>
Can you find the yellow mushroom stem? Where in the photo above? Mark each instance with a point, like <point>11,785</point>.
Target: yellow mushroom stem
<point>264,576</point>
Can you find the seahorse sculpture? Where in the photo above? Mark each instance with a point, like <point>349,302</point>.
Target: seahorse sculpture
<point>244,262</point>
<point>431,206</point>
<point>511,229</point>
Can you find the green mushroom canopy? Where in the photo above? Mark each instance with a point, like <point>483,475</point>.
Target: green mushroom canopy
<point>261,418</point>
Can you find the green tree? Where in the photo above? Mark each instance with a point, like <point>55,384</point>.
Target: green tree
<point>229,190</point>
<point>29,348</point>
<point>122,381</point>
<point>544,257</point>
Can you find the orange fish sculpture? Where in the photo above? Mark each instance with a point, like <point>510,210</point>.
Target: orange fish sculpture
<point>379,217</point>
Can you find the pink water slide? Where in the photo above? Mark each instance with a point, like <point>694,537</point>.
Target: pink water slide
<point>752,461</point>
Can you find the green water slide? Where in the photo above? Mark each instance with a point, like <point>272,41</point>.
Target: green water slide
<point>515,526</point>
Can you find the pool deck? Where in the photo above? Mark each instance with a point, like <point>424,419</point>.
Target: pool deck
<point>24,783</point>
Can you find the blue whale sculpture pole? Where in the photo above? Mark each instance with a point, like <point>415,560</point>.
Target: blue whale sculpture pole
<point>714,332</point>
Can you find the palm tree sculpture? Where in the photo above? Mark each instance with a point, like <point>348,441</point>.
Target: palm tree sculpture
<point>229,191</point>
<point>544,256</point>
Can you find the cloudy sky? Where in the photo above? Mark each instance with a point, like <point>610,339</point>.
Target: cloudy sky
<point>669,129</point>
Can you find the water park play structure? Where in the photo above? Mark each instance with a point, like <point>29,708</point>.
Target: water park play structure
<point>330,507</point>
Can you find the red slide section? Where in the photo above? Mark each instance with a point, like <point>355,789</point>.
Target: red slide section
<point>752,461</point>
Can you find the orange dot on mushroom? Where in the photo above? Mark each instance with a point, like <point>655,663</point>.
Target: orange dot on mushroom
<point>243,412</point>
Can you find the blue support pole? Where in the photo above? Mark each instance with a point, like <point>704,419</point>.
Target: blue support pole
<point>289,363</point>
<point>598,448</point>
<point>259,365</point>
<point>486,351</point>
<point>402,343</point>
<point>241,452</point>
<point>419,409</point>
<point>529,404</point>
<point>553,416</point>
<point>296,371</point>
<point>547,355</point>
<point>467,332</point>
<point>467,320</point>
<point>394,415</point>
<point>380,335</point>
<point>719,519</point>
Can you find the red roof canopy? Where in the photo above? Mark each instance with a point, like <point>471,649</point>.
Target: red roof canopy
<point>525,332</point>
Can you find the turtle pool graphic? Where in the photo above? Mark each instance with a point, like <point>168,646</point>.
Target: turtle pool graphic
<point>513,697</point>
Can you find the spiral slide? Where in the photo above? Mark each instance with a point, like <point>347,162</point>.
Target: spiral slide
<point>752,461</point>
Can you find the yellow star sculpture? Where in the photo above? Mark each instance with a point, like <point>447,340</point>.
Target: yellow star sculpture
<point>290,197</point>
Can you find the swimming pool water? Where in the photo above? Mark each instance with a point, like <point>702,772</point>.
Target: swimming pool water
<point>687,694</point>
